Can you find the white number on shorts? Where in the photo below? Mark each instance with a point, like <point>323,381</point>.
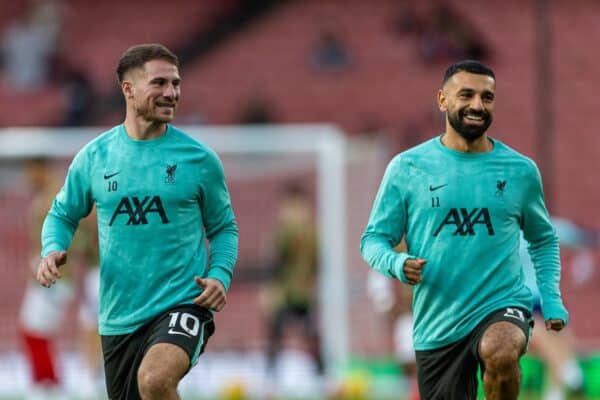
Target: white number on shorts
<point>188,322</point>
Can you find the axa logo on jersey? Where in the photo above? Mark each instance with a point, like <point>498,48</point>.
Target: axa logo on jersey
<point>137,209</point>
<point>464,220</point>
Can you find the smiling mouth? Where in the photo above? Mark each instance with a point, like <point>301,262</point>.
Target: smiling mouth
<point>472,118</point>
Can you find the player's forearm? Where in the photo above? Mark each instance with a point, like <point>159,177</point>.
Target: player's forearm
<point>57,233</point>
<point>379,253</point>
<point>545,255</point>
<point>223,248</point>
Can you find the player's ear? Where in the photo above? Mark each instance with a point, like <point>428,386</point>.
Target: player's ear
<point>441,100</point>
<point>127,88</point>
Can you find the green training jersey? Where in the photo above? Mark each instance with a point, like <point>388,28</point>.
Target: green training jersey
<point>158,203</point>
<point>463,213</point>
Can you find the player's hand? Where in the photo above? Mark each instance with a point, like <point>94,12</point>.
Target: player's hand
<point>413,270</point>
<point>213,294</point>
<point>48,271</point>
<point>555,324</point>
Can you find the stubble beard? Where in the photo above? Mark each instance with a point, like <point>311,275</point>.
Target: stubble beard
<point>149,114</point>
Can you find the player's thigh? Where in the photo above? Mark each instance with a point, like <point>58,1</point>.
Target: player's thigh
<point>502,342</point>
<point>187,327</point>
<point>163,363</point>
<point>505,336</point>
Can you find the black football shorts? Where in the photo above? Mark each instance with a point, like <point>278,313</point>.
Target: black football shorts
<point>188,326</point>
<point>450,372</point>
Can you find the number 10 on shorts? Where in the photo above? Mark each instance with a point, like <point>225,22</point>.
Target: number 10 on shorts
<point>188,323</point>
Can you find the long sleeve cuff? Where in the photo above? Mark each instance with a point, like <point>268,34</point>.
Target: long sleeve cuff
<point>555,310</point>
<point>52,247</point>
<point>399,266</point>
<point>221,274</point>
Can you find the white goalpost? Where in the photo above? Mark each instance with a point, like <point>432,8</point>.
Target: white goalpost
<point>325,144</point>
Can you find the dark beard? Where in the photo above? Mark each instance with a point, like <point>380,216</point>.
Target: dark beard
<point>469,132</point>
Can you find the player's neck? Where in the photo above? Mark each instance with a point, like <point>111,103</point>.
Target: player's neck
<point>453,140</point>
<point>139,129</point>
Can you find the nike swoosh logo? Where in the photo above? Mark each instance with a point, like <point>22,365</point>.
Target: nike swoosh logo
<point>172,332</point>
<point>434,188</point>
<point>108,176</point>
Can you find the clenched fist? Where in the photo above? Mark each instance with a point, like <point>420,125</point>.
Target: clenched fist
<point>48,270</point>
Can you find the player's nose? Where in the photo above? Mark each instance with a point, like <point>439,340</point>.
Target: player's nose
<point>170,92</point>
<point>476,103</point>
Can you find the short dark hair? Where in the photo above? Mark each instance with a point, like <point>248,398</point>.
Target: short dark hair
<point>472,66</point>
<point>138,55</point>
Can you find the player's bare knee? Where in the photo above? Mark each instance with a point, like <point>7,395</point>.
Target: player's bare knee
<point>153,384</point>
<point>501,347</point>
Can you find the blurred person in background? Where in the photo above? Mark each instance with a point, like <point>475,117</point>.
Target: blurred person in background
<point>394,300</point>
<point>29,45</point>
<point>78,93</point>
<point>330,52</point>
<point>42,312</point>
<point>160,197</point>
<point>460,201</point>
<point>447,35</point>
<point>289,298</point>
<point>565,375</point>
<point>91,375</point>
<point>256,108</point>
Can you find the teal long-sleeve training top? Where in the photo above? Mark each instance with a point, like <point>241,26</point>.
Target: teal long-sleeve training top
<point>158,202</point>
<point>463,213</point>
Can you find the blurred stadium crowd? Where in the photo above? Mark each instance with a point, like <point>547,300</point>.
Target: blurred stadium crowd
<point>370,67</point>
